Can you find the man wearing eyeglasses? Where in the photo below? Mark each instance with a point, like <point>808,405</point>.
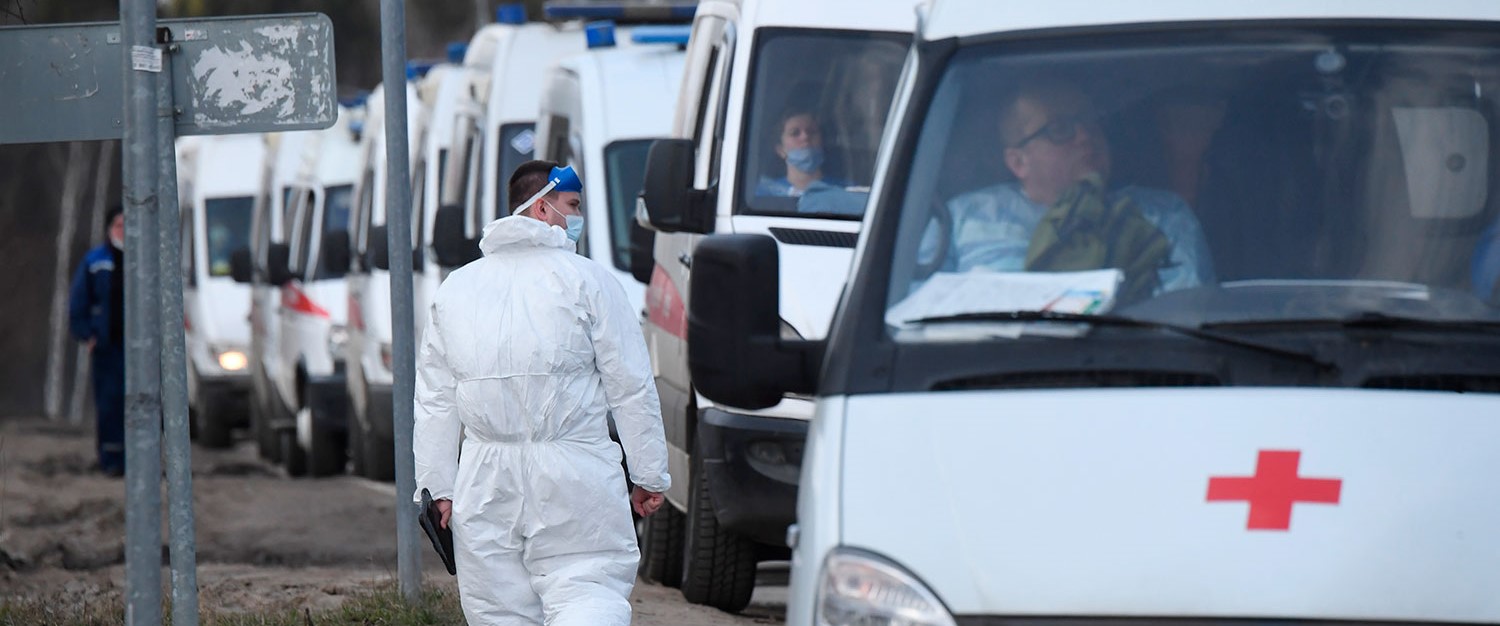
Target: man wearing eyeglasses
<point>1055,147</point>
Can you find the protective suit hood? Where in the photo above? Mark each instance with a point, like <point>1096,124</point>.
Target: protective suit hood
<point>523,231</point>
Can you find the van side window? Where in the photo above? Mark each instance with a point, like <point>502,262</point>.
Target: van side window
<point>303,231</point>
<point>723,53</point>
<point>558,147</point>
<point>366,202</point>
<point>517,146</point>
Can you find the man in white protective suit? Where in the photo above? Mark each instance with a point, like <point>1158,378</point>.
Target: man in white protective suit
<point>529,349</point>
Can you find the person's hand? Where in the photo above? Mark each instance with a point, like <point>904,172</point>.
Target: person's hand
<point>445,508</point>
<point>645,502</point>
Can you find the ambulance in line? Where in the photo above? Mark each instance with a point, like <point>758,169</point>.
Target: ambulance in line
<point>763,78</point>
<point>300,245</point>
<point>1025,417</point>
<point>600,111</point>
<point>368,358</point>
<point>217,185</point>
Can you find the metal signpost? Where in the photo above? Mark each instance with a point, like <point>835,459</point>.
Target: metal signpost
<point>398,232</point>
<point>180,77</point>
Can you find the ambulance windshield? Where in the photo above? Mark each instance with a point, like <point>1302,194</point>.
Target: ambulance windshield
<point>227,224</point>
<point>1208,179</point>
<point>818,104</point>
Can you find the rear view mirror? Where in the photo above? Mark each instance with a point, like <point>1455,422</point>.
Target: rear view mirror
<point>736,355</point>
<point>334,252</point>
<point>278,264</point>
<point>377,249</point>
<point>240,268</point>
<point>672,204</point>
<point>448,241</point>
<point>642,252</point>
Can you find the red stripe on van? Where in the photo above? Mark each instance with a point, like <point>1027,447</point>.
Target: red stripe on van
<point>295,299</point>
<point>664,306</point>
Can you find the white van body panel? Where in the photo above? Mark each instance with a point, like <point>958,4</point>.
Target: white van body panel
<point>217,308</point>
<point>369,311</point>
<point>1093,502</point>
<point>610,95</point>
<point>975,17</point>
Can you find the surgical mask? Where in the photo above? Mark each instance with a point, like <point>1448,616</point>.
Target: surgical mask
<point>807,159</point>
<point>575,226</point>
<point>574,222</point>
<point>119,244</point>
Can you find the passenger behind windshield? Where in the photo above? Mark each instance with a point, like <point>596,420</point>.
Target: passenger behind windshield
<point>797,141</point>
<point>1059,213</point>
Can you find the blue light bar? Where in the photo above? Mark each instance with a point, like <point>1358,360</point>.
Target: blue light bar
<point>599,34</point>
<point>660,12</point>
<point>355,101</point>
<point>457,50</point>
<point>677,35</point>
<point>416,69</point>
<point>510,13</point>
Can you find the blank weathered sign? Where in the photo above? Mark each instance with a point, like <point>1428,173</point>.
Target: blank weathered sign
<point>229,75</point>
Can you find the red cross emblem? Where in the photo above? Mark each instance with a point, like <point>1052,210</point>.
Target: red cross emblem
<point>1273,490</point>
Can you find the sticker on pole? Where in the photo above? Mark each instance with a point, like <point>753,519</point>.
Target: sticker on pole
<point>145,59</point>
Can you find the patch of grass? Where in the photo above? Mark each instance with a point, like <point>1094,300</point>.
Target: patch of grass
<point>381,605</point>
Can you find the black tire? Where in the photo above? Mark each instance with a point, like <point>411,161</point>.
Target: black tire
<point>356,450</point>
<point>293,457</point>
<point>329,451</point>
<point>661,537</point>
<point>718,564</point>
<point>212,424</point>
<point>380,457</point>
<point>267,442</point>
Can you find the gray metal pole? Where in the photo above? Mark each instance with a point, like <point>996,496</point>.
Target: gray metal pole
<point>179,447</point>
<point>142,350</point>
<point>398,232</point>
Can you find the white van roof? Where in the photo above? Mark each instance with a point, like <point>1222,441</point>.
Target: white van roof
<point>832,14</point>
<point>637,86</point>
<point>959,18</point>
<point>517,62</point>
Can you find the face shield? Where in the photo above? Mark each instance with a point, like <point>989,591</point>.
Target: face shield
<point>559,179</point>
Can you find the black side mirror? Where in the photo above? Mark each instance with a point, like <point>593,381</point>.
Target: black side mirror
<point>240,268</point>
<point>735,351</point>
<point>642,252</point>
<point>448,241</point>
<point>278,264</point>
<point>672,204</point>
<point>334,253</point>
<point>377,249</point>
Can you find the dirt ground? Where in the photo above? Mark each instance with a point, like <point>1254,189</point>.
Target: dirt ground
<point>264,541</point>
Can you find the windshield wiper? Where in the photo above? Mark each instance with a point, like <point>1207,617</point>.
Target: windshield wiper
<point>1128,322</point>
<point>1371,320</point>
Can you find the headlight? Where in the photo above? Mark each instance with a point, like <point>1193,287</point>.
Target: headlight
<point>338,338</point>
<point>861,589</point>
<point>232,360</point>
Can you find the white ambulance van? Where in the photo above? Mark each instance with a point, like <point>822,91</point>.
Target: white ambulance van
<point>367,356</point>
<point>217,183</point>
<point>299,356</point>
<point>763,78</point>
<point>600,112</point>
<point>1162,312</point>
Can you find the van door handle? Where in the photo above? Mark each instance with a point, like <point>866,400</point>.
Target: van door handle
<point>686,260</point>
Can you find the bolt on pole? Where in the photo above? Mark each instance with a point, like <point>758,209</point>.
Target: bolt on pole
<point>142,350</point>
<point>176,435</point>
<point>398,232</point>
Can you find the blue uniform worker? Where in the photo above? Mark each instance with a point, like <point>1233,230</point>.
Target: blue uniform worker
<point>96,316</point>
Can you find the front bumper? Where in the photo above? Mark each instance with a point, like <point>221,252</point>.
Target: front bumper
<point>752,463</point>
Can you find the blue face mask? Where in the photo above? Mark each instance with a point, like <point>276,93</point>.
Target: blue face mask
<point>807,159</point>
<point>575,226</point>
